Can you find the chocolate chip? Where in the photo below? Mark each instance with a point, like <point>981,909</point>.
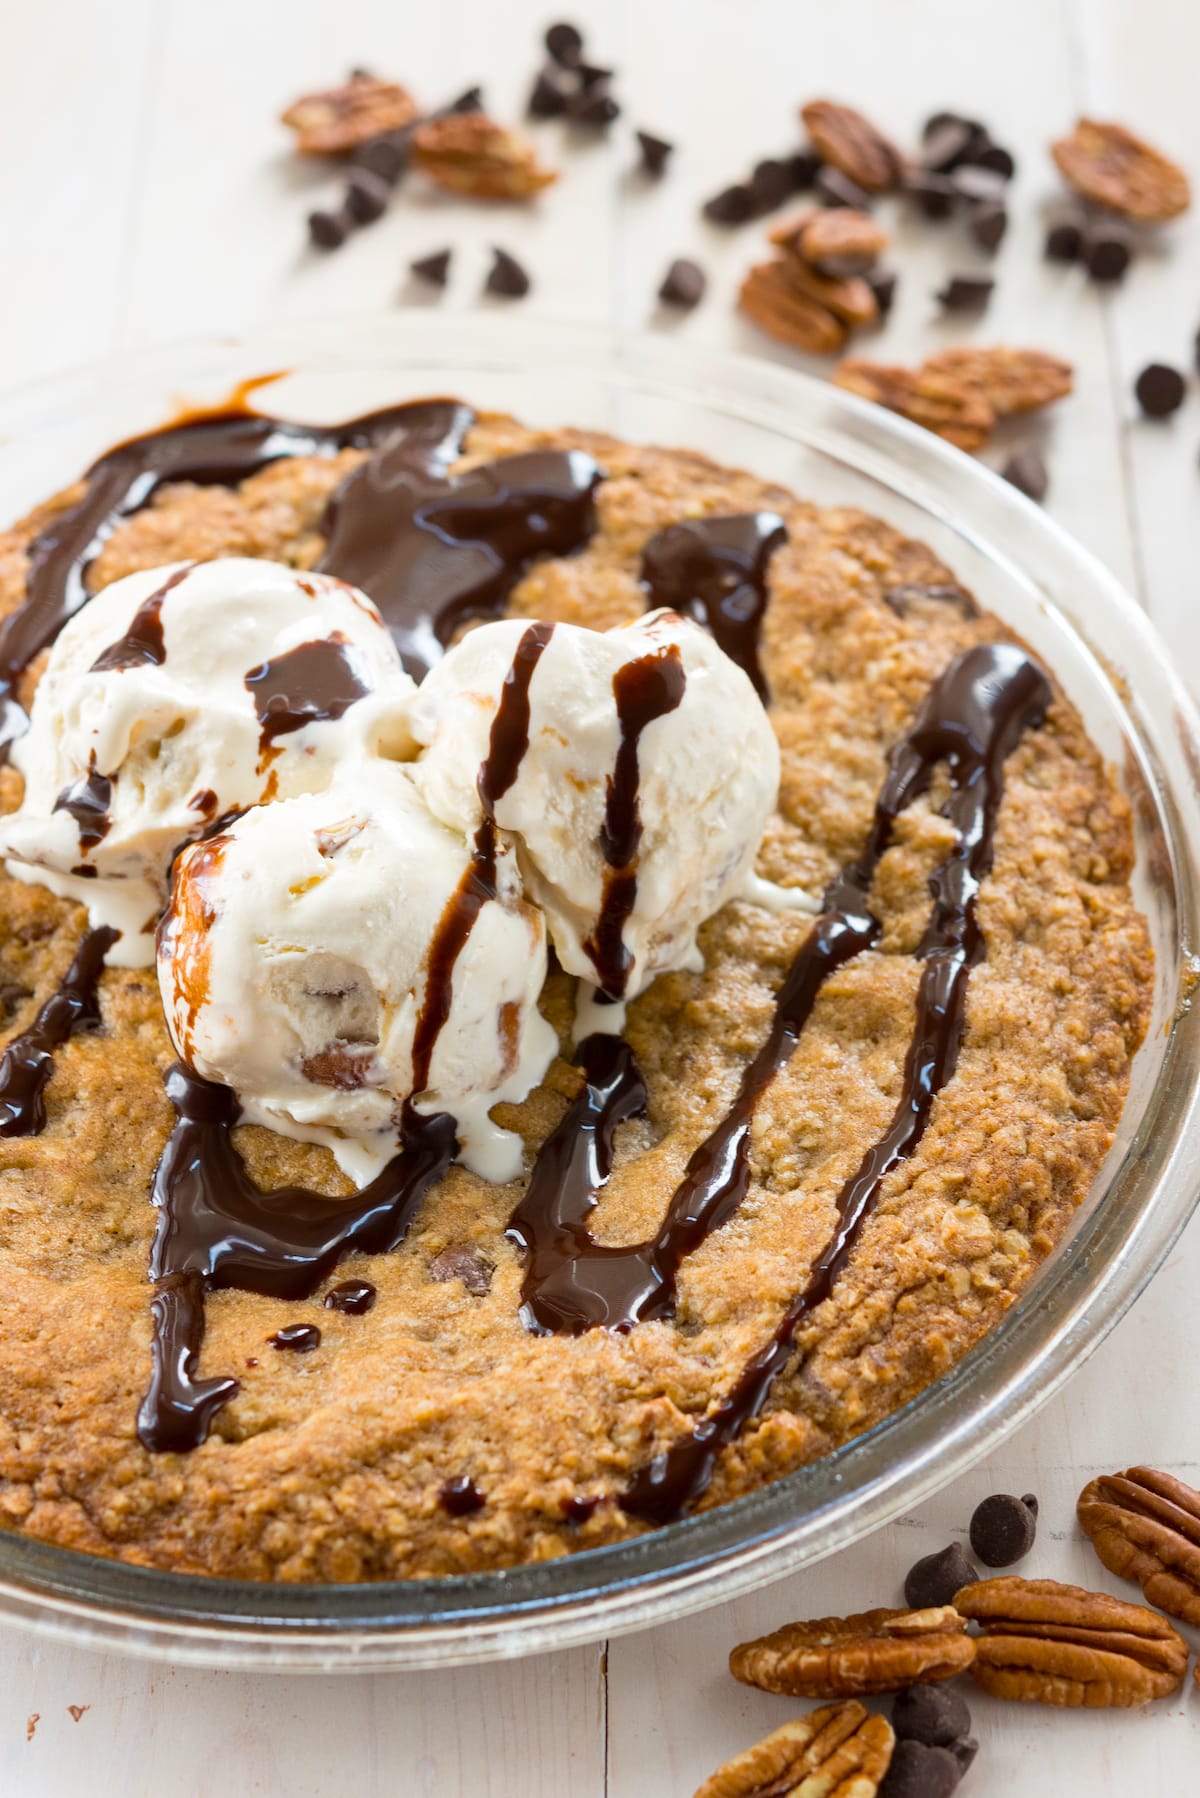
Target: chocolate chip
<point>937,120</point>
<point>351,1297</point>
<point>12,997</point>
<point>946,143</point>
<point>771,183</point>
<point>470,100</point>
<point>1064,241</point>
<point>328,230</point>
<point>367,196</point>
<point>1002,1530</point>
<point>548,96</point>
<point>882,283</point>
<point>1160,390</point>
<point>506,276</point>
<point>977,184</point>
<point>833,188</point>
<point>463,1261</point>
<point>435,269</point>
<point>299,1339</point>
<point>930,1714</point>
<point>916,1771</point>
<point>934,1579</point>
<point>964,1752</point>
<point>593,106</point>
<point>732,206</point>
<point>385,156</point>
<point>966,293</point>
<point>591,74</point>
<point>996,157</point>
<point>988,224</point>
<point>804,167</point>
<point>943,593</point>
<point>936,195</point>
<point>683,284</point>
<point>1107,254</point>
<point>564,44</point>
<point>655,152</point>
<point>1027,472</point>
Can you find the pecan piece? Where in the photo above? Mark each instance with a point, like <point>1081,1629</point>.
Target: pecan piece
<point>836,237</point>
<point>470,154</point>
<point>1046,1643</point>
<point>945,407</point>
<point>1112,166</point>
<point>853,145</point>
<point>838,1751</point>
<point>1145,1526</point>
<point>1009,380</point>
<point>872,1651</point>
<point>849,298</point>
<point>336,121</point>
<point>779,308</point>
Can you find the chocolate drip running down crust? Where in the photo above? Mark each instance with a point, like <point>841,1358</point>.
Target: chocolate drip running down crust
<point>28,1061</point>
<point>715,571</point>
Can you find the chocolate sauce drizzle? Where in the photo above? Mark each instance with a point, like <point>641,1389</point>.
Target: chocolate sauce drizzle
<point>87,801</point>
<point>143,645</point>
<point>434,551</point>
<point>643,690</point>
<point>310,684</point>
<point>715,571</point>
<point>216,1228</point>
<point>28,1061</point>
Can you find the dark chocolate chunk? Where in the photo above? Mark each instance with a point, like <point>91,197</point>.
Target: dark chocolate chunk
<point>997,158</point>
<point>988,223</point>
<point>916,1771</point>
<point>590,74</point>
<point>564,44</point>
<point>1064,241</point>
<point>964,1752</point>
<point>549,95</point>
<point>978,184</point>
<point>367,195</point>
<point>882,283</point>
<point>833,188</point>
<point>328,230</point>
<point>771,183</point>
<point>966,293</point>
<point>931,1714</point>
<point>655,152</point>
<point>593,106</point>
<point>351,1297</point>
<point>385,156</point>
<point>936,195</point>
<point>435,269</point>
<point>946,142</point>
<point>1107,253</point>
<point>12,997</point>
<point>732,206</point>
<point>1160,390</point>
<point>1002,1530</point>
<point>901,599</point>
<point>804,165</point>
<point>1026,471</point>
<point>463,1261</point>
<point>683,284</point>
<point>470,100</point>
<point>934,1579</point>
<point>298,1339</point>
<point>1029,1500</point>
<point>461,1497</point>
<point>506,276</point>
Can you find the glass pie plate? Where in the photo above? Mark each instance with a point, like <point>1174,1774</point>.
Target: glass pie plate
<point>832,448</point>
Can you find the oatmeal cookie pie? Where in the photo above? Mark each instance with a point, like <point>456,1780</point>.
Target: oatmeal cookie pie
<point>817,1166</point>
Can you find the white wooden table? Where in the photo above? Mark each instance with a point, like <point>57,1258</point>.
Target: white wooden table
<point>147,194</point>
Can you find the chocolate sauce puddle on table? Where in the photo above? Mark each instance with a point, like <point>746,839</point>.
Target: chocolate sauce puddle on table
<point>715,571</point>
<point>28,1061</point>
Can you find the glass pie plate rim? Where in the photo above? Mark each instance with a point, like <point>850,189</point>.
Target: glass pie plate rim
<point>1108,1256</point>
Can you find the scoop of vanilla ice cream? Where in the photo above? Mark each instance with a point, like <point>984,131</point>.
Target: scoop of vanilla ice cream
<point>306,946</point>
<point>704,781</point>
<point>179,694</point>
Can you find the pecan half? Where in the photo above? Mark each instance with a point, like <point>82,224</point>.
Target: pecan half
<point>851,143</point>
<point>849,298</point>
<point>838,1751</point>
<point>1047,1643</point>
<point>836,236</point>
<point>945,407</point>
<point>470,154</point>
<point>1111,165</point>
<point>1145,1526</point>
<point>779,308</point>
<point>1009,380</point>
<point>871,1651</point>
<point>337,120</point>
